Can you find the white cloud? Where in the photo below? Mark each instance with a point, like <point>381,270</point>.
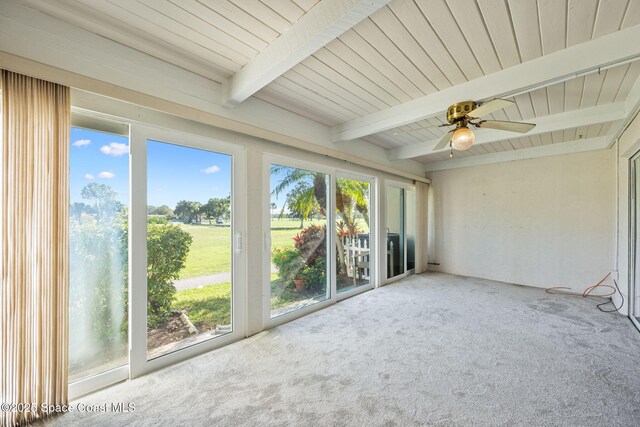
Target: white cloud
<point>211,169</point>
<point>81,142</point>
<point>115,149</point>
<point>88,176</point>
<point>106,175</point>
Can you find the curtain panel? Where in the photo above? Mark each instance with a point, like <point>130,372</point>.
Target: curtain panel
<point>36,119</point>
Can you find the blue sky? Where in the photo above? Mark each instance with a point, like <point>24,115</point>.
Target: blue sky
<point>177,173</point>
<point>174,173</point>
<point>98,157</point>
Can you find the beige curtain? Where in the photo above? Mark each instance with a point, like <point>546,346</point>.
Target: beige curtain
<point>34,216</point>
<point>422,241</point>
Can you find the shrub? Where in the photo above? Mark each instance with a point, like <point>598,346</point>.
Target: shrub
<point>315,276</point>
<point>312,243</point>
<point>97,270</point>
<point>157,220</point>
<point>167,249</point>
<point>289,263</point>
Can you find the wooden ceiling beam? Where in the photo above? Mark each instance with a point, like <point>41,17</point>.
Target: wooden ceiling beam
<point>567,120</point>
<point>320,25</point>
<point>577,146</point>
<point>600,53</point>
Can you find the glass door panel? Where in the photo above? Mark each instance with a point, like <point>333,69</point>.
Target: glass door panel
<point>395,232</point>
<point>299,249</point>
<point>411,229</point>
<point>189,254</point>
<point>634,291</point>
<point>99,193</point>
<point>353,245</point>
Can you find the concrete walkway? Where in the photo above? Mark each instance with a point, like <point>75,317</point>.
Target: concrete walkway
<point>209,279</point>
<point>196,282</point>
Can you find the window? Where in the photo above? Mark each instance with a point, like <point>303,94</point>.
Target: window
<point>299,238</point>
<point>99,193</point>
<point>395,242</point>
<point>189,222</point>
<point>354,244</point>
<point>400,230</point>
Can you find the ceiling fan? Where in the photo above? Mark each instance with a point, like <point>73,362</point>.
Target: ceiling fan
<point>466,113</point>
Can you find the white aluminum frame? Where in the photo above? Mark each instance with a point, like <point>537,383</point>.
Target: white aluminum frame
<point>383,244</point>
<point>268,160</point>
<point>140,134</point>
<point>634,274</point>
<point>100,123</point>
<point>373,234</point>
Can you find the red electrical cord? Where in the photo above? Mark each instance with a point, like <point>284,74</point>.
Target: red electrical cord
<point>557,290</point>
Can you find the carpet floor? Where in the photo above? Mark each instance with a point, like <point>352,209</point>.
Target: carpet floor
<point>432,349</point>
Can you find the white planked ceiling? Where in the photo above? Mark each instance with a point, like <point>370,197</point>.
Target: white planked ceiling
<point>405,50</point>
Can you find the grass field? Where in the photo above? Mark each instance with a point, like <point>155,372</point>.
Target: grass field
<point>207,306</point>
<point>210,251</point>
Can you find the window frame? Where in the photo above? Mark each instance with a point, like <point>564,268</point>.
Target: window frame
<point>373,232</point>
<point>140,135</point>
<point>112,125</point>
<point>268,160</point>
<point>382,240</point>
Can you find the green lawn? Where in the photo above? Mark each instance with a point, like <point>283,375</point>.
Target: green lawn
<point>210,251</point>
<point>284,230</point>
<point>207,306</point>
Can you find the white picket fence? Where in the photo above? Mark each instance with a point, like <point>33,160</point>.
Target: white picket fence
<point>357,257</point>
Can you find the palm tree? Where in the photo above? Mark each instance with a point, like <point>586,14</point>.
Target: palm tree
<point>351,196</point>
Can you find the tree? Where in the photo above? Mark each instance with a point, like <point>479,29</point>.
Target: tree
<point>350,194</point>
<point>315,183</point>
<point>273,208</point>
<point>188,211</point>
<point>163,210</point>
<point>217,208</point>
<point>301,201</point>
<point>78,208</point>
<point>104,198</point>
<point>351,197</point>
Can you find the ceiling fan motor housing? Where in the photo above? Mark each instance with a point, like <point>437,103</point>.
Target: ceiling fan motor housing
<point>460,110</point>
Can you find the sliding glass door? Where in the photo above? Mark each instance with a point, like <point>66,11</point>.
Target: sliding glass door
<point>299,238</point>
<point>355,237</point>
<point>189,246</point>
<point>410,219</point>
<point>400,230</point>
<point>187,252</point>
<point>634,246</point>
<point>395,241</point>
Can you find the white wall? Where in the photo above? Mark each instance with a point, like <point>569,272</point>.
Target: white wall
<point>541,222</point>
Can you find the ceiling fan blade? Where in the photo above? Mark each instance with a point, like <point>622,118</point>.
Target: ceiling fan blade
<point>420,128</point>
<point>508,126</point>
<point>444,141</point>
<point>489,107</point>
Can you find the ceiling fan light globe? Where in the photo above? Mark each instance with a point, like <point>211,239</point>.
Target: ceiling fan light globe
<point>462,138</point>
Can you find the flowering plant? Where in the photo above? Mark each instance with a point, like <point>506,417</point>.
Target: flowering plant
<point>289,263</point>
